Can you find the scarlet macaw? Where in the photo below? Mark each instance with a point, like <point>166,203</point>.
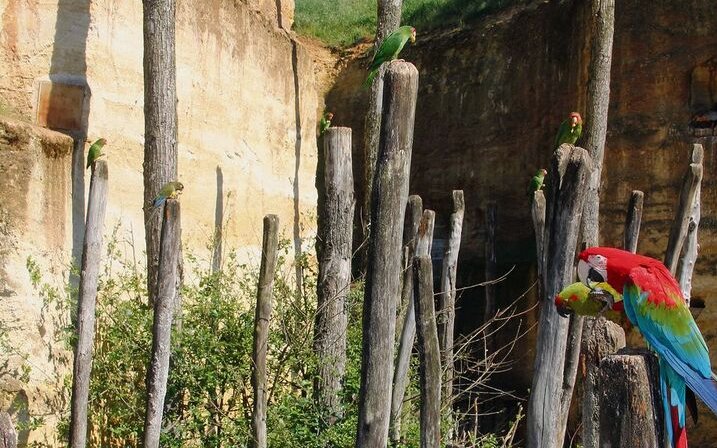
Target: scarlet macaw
<point>653,302</point>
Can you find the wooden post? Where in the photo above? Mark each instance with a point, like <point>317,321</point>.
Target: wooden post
<point>262,318</point>
<point>388,19</point>
<point>334,247</point>
<point>600,339</point>
<point>91,262</point>
<point>689,257</point>
<point>680,224</point>
<point>428,353</point>
<point>160,121</point>
<point>491,268</point>
<point>567,179</point>
<point>424,241</point>
<point>538,214</point>
<point>630,406</point>
<point>414,211</point>
<point>633,220</point>
<point>447,298</point>
<point>158,370</point>
<point>390,192</point>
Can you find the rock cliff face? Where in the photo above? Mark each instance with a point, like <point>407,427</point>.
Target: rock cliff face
<point>490,101</point>
<point>247,103</point>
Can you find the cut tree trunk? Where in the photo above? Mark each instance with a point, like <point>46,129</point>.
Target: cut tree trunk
<point>681,223</point>
<point>262,320</point>
<point>160,121</point>
<point>428,353</point>
<point>633,220</point>
<point>388,19</point>
<point>390,192</point>
<point>91,262</point>
<point>333,243</point>
<point>447,297</point>
<point>567,180</point>
<point>162,325</point>
<point>691,246</point>
<point>538,214</point>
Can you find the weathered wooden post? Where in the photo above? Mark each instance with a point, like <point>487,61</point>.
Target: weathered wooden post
<point>8,435</point>
<point>390,192</point>
<point>447,298</point>
<point>538,214</point>
<point>91,255</point>
<point>262,319</point>
<point>633,220</point>
<point>567,178</point>
<point>424,242</point>
<point>630,406</point>
<point>689,257</point>
<point>681,223</point>
<point>333,244</point>
<point>414,211</point>
<point>428,353</point>
<point>164,301</point>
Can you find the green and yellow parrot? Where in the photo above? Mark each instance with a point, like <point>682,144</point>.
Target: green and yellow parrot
<point>170,190</point>
<point>653,302</point>
<point>389,50</point>
<point>570,130</point>
<point>536,183</point>
<point>596,299</point>
<point>95,151</point>
<point>325,122</point>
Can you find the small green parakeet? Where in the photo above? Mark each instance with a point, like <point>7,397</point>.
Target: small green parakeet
<point>584,300</point>
<point>570,130</point>
<point>389,50</point>
<point>95,151</point>
<point>536,183</point>
<point>169,190</point>
<point>325,122</point>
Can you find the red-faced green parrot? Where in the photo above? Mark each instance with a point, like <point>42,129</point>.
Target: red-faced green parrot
<point>95,151</point>
<point>325,122</point>
<point>653,302</point>
<point>570,130</point>
<point>536,183</point>
<point>389,50</point>
<point>169,190</point>
<point>594,300</point>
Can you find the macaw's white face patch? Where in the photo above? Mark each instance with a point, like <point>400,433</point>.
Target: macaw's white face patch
<point>594,270</point>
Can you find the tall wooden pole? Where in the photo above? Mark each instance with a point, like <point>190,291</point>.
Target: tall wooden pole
<point>407,319</point>
<point>164,302</point>
<point>91,262</point>
<point>447,298</point>
<point>262,319</point>
<point>538,214</point>
<point>567,179</point>
<point>691,247</point>
<point>428,353</point>
<point>390,192</point>
<point>160,120</point>
<point>633,220</point>
<point>333,245</point>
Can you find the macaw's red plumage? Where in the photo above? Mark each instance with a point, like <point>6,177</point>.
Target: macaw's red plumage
<point>653,302</point>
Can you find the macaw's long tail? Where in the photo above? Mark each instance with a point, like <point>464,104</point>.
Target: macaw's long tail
<point>673,402</point>
<point>705,388</point>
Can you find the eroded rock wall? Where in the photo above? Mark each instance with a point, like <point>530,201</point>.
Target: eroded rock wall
<point>491,97</point>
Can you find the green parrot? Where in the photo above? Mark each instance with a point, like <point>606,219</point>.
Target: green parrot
<point>389,49</point>
<point>570,130</point>
<point>584,300</point>
<point>325,122</point>
<point>536,183</point>
<point>95,151</point>
<point>169,190</point>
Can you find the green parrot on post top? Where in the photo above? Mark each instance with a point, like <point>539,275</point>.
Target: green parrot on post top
<point>389,50</point>
<point>325,122</point>
<point>570,130</point>
<point>95,151</point>
<point>170,190</point>
<point>536,183</point>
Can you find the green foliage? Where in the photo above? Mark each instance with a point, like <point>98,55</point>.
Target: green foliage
<point>341,23</point>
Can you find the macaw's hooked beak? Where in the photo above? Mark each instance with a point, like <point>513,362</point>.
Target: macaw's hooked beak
<point>589,274</point>
<point>561,307</point>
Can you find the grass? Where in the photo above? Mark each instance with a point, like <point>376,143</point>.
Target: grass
<point>342,23</point>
